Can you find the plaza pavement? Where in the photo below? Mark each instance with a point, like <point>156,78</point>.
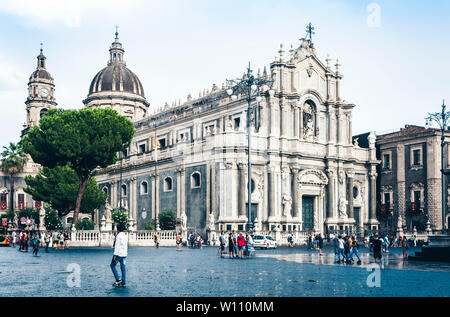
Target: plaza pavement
<point>285,272</point>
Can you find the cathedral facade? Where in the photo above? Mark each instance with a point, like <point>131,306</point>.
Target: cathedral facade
<point>191,157</point>
<point>308,173</point>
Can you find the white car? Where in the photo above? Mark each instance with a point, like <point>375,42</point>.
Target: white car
<point>263,241</point>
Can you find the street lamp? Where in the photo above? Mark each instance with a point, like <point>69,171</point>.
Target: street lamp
<point>250,86</point>
<point>441,118</point>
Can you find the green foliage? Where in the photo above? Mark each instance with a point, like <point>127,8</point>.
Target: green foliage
<point>167,220</point>
<point>58,186</point>
<point>86,138</point>
<point>13,158</point>
<point>30,213</point>
<point>10,214</point>
<point>119,217</point>
<point>150,225</point>
<point>83,139</point>
<point>52,220</point>
<point>85,224</point>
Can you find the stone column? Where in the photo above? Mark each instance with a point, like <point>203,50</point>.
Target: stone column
<point>241,189</point>
<point>272,191</point>
<point>401,187</point>
<point>350,176</point>
<point>283,119</point>
<point>301,122</point>
<point>178,192</point>
<point>133,198</point>
<point>113,193</point>
<point>296,121</point>
<point>156,196</point>
<point>295,204</point>
<point>153,195</point>
<point>331,178</point>
<point>373,194</point>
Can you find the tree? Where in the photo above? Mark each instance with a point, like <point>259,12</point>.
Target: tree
<point>167,220</point>
<point>51,219</point>
<point>85,224</point>
<point>85,139</point>
<point>119,217</point>
<point>58,186</point>
<point>13,161</point>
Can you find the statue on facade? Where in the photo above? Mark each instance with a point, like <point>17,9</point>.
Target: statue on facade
<point>107,211</point>
<point>342,207</point>
<point>183,221</point>
<point>211,222</point>
<point>229,125</point>
<point>309,129</point>
<point>356,143</point>
<point>287,203</point>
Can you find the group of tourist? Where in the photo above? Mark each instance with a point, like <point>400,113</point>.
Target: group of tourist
<point>347,247</point>
<point>195,241</point>
<point>35,239</point>
<point>315,243</point>
<point>238,244</point>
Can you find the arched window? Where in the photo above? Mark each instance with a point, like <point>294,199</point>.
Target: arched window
<point>105,190</point>
<point>144,188</point>
<point>43,112</point>
<point>114,57</point>
<point>252,185</point>
<point>168,184</point>
<point>124,190</point>
<point>195,180</point>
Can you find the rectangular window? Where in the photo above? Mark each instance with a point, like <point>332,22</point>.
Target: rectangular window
<point>387,199</point>
<point>142,148</point>
<point>162,143</point>
<point>417,198</point>
<point>3,203</point>
<point>237,123</point>
<point>416,157</point>
<point>386,162</point>
<point>21,201</point>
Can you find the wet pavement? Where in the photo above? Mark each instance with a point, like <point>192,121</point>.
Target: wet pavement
<point>192,272</point>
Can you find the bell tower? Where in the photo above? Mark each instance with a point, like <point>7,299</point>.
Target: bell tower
<point>41,90</point>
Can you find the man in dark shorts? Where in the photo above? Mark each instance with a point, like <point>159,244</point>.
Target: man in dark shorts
<point>377,246</point>
<point>230,245</point>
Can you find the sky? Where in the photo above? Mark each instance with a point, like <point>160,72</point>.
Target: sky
<point>394,54</point>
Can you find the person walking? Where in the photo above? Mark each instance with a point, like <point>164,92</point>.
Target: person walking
<point>290,240</point>
<point>222,243</point>
<point>179,242</point>
<point>241,245</point>
<point>35,243</point>
<point>336,247</point>
<point>157,240</point>
<point>341,243</point>
<point>405,248</point>
<point>248,244</point>
<point>354,251</point>
<point>230,246</point>
<point>13,238</point>
<point>235,245</point>
<point>377,250</point>
<point>320,244</point>
<point>48,241</point>
<point>120,256</point>
<point>347,250</point>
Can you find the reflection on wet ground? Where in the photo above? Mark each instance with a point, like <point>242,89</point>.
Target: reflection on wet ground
<point>391,260</point>
<point>288,272</point>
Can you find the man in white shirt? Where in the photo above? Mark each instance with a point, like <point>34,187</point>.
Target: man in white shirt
<point>341,249</point>
<point>120,255</point>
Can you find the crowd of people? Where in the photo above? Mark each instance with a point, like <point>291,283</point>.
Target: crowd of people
<point>195,241</point>
<point>239,245</point>
<point>25,239</point>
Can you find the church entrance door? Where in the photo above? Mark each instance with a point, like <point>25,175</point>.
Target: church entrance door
<point>308,212</point>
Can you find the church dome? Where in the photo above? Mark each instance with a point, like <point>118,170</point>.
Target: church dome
<point>116,77</point>
<point>41,73</point>
<point>117,87</point>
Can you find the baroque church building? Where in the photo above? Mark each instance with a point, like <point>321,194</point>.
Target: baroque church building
<point>191,157</point>
<point>308,174</point>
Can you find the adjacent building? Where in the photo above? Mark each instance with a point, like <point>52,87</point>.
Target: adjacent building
<point>409,179</point>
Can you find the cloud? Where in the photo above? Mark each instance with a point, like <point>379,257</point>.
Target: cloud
<point>12,75</point>
<point>56,13</point>
<point>44,13</point>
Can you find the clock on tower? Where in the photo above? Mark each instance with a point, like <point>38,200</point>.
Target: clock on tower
<point>41,89</point>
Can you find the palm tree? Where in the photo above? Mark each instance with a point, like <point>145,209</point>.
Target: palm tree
<point>13,161</point>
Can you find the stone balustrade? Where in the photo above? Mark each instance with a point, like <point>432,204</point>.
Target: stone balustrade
<point>141,238</point>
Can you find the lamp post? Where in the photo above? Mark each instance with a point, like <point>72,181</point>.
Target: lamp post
<point>441,118</point>
<point>250,86</point>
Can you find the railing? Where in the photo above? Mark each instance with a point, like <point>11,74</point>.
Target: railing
<point>96,238</point>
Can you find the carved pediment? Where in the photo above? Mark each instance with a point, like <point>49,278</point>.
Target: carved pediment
<point>312,176</point>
